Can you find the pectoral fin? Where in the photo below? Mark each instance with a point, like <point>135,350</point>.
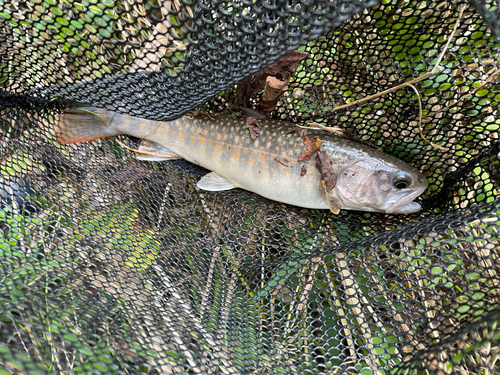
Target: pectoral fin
<point>151,151</point>
<point>213,182</point>
<point>333,201</point>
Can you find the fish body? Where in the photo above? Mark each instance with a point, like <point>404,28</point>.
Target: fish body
<point>269,165</point>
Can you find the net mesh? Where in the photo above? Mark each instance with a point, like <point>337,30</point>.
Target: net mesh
<point>110,265</point>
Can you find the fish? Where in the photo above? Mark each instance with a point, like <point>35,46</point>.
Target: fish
<point>279,164</point>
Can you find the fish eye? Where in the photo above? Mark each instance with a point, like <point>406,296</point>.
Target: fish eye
<point>402,180</point>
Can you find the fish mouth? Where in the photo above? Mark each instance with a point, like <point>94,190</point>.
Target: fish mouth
<point>403,203</point>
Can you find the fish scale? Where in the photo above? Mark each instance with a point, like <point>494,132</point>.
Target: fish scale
<point>267,165</point>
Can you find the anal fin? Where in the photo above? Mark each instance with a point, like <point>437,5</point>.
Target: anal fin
<point>152,151</point>
<point>213,182</point>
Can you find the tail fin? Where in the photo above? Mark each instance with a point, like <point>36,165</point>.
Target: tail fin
<point>84,124</point>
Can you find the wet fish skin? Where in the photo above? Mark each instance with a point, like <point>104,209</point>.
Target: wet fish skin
<point>267,165</point>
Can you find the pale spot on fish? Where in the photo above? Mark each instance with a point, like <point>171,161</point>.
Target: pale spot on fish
<point>210,143</point>
<point>181,136</point>
<point>192,138</point>
<point>174,133</point>
<point>250,161</point>
<point>245,150</point>
<point>219,137</point>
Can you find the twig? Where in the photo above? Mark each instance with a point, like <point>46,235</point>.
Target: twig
<point>309,283</point>
<point>420,122</point>
<point>354,300</point>
<point>435,70</point>
<point>162,207</point>
<point>176,307</point>
<point>333,129</point>
<point>492,76</point>
<point>450,38</point>
<point>381,93</point>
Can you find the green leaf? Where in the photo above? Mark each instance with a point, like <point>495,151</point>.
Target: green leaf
<point>436,270</point>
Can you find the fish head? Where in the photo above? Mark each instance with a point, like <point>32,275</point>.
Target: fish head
<point>379,185</point>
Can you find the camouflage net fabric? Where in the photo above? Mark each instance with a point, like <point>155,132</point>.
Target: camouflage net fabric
<point>110,265</point>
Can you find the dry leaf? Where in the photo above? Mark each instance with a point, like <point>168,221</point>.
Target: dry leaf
<point>312,145</point>
<point>274,87</point>
<point>282,69</point>
<point>253,127</point>
<point>266,106</point>
<point>303,171</point>
<point>333,202</point>
<point>328,180</point>
<point>326,170</point>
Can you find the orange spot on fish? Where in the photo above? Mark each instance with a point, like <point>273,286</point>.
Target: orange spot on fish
<point>228,147</point>
<point>224,160</point>
<point>193,138</point>
<point>262,158</point>
<point>250,161</point>
<point>236,155</point>
<point>218,137</point>
<point>165,127</point>
<point>217,149</point>
<point>245,150</point>
<point>173,133</point>
<point>210,143</point>
<point>181,136</point>
<point>202,141</point>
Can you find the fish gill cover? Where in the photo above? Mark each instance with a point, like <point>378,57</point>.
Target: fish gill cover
<point>110,265</point>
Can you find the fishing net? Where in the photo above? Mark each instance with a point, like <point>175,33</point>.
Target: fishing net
<point>110,265</point>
